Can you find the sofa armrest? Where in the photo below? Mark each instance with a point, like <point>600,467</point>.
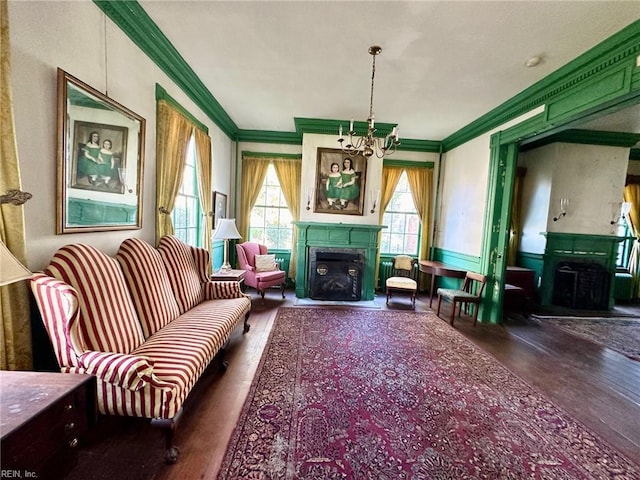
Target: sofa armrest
<point>223,289</point>
<point>132,372</point>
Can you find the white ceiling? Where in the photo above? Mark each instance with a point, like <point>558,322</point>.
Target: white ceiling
<point>443,63</point>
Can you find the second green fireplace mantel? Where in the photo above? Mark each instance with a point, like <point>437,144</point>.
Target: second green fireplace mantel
<point>337,235</point>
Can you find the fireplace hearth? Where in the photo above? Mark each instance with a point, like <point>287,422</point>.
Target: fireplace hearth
<point>335,274</point>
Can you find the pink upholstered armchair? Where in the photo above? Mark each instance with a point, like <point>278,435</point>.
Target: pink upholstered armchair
<point>262,271</point>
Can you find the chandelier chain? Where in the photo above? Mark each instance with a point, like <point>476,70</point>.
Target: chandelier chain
<point>368,144</point>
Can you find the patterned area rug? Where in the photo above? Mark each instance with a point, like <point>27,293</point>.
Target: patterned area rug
<point>619,334</point>
<point>357,394</point>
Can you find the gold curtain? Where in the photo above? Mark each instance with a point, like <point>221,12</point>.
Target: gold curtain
<point>632,195</point>
<point>203,149</point>
<point>421,185</point>
<point>173,132</point>
<point>390,179</point>
<point>254,169</point>
<point>15,335</point>
<point>289,174</point>
<point>516,210</point>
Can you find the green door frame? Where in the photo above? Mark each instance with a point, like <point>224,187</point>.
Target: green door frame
<point>502,170</point>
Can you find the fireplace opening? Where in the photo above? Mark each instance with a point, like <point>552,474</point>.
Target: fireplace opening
<point>335,275</point>
<point>582,286</point>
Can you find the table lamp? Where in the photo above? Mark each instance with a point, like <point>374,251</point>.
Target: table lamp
<point>11,270</point>
<point>226,231</point>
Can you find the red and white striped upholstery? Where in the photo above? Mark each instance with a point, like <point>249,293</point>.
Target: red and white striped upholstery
<point>96,309</point>
<point>148,283</point>
<point>58,305</point>
<point>184,277</point>
<point>102,295</point>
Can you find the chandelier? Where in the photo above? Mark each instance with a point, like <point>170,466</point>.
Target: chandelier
<point>368,144</point>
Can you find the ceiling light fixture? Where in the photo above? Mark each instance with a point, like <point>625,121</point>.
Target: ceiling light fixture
<point>533,61</point>
<point>368,144</point>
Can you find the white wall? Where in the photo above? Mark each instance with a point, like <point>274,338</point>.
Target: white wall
<point>463,197</point>
<point>71,35</point>
<point>463,192</point>
<point>592,177</point>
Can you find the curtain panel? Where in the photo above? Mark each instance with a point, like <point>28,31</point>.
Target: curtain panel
<point>173,133</point>
<point>289,174</point>
<point>15,334</point>
<point>203,149</point>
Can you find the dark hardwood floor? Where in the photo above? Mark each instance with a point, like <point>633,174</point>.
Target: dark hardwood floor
<point>597,386</point>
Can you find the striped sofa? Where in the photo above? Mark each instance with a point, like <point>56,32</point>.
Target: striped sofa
<point>146,323</point>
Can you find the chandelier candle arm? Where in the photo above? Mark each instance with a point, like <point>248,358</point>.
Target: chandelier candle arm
<point>368,144</point>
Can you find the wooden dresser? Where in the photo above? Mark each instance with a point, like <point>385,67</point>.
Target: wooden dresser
<point>43,417</point>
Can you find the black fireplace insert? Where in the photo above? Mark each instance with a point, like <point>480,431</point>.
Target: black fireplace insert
<point>581,285</point>
<point>335,275</point>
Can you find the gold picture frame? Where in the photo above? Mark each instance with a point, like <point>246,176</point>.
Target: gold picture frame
<point>340,183</point>
<point>100,161</point>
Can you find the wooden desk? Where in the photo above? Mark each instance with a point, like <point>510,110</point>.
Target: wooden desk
<point>43,416</point>
<point>439,269</point>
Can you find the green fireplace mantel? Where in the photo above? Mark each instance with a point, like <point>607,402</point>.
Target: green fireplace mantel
<point>337,235</point>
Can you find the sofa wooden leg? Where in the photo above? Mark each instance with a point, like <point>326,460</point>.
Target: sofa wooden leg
<point>246,327</point>
<point>168,425</point>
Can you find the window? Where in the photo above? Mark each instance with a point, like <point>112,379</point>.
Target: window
<point>624,247</point>
<point>402,234</point>
<point>188,222</point>
<point>271,221</point>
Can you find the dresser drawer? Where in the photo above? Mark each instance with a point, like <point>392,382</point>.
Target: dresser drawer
<point>48,429</point>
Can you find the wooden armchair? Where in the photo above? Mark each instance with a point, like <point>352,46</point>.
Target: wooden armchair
<point>473,282</point>
<point>403,279</point>
<point>261,270</point>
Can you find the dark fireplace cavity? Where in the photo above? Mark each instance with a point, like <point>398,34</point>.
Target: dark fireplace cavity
<point>583,286</point>
<point>335,275</point>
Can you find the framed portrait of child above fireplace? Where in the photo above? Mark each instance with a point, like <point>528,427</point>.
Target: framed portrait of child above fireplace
<point>340,182</point>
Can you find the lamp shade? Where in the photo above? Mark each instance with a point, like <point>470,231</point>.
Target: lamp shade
<point>11,270</point>
<point>226,230</point>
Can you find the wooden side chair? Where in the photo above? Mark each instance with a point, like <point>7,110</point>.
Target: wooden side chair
<point>403,279</point>
<point>470,294</point>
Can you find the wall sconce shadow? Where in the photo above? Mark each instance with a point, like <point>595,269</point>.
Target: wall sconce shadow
<point>620,211</point>
<point>563,209</point>
<point>375,200</point>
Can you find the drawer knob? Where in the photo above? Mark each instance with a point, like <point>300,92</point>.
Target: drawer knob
<point>69,426</point>
<point>68,407</point>
<point>73,443</point>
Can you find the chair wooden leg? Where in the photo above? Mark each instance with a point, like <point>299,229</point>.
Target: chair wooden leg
<point>439,300</point>
<point>283,285</point>
<point>476,307</point>
<point>453,312</point>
